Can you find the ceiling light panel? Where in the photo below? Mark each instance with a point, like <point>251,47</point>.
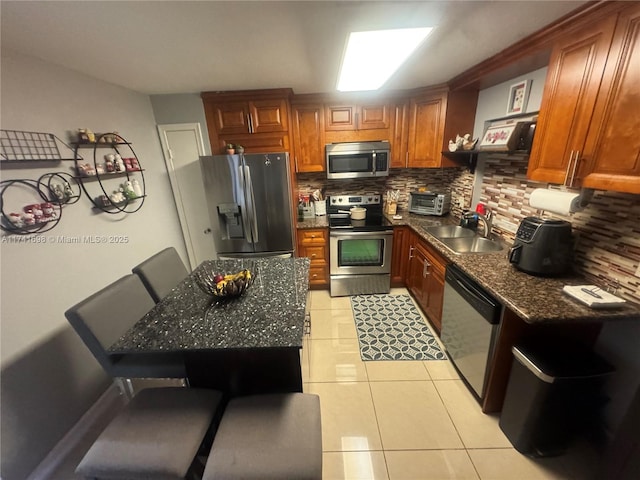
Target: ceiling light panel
<point>372,57</point>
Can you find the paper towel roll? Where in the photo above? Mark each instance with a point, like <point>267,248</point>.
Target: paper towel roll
<point>555,201</point>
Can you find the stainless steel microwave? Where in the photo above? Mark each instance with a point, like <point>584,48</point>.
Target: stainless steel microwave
<point>429,203</point>
<point>358,159</point>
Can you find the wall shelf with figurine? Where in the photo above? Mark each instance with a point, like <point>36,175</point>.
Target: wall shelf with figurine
<point>42,200</point>
<point>98,178</point>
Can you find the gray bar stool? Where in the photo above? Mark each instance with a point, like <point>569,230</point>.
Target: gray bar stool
<point>270,436</point>
<point>161,272</point>
<point>156,436</point>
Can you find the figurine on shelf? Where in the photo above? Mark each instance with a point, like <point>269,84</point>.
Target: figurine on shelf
<point>117,197</point>
<point>28,219</point>
<point>127,189</point>
<point>86,136</point>
<point>119,164</point>
<point>467,143</point>
<point>86,170</point>
<point>109,166</point>
<point>16,219</point>
<point>58,192</point>
<point>100,168</point>
<point>137,189</point>
<point>68,191</point>
<point>102,201</point>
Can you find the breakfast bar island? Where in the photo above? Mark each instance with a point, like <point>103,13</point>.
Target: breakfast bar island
<point>243,345</point>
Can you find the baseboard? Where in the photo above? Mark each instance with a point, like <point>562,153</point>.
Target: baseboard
<point>108,402</point>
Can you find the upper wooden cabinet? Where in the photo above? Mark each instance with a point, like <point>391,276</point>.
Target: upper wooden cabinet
<point>612,150</point>
<point>258,119</point>
<point>435,116</point>
<point>370,116</point>
<point>586,134</point>
<point>308,136</point>
<point>400,135</point>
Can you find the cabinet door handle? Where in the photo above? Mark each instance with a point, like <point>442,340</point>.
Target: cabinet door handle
<point>566,176</point>
<point>315,275</point>
<point>411,252</point>
<point>249,123</point>
<point>425,269</point>
<point>314,255</point>
<point>356,122</point>
<point>575,168</point>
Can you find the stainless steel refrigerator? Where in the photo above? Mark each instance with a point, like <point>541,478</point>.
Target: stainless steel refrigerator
<point>249,203</point>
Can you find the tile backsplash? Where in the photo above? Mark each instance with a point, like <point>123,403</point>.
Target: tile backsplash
<point>454,180</point>
<point>607,231</point>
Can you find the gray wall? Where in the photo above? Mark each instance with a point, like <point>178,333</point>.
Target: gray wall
<point>49,379</point>
<point>181,108</point>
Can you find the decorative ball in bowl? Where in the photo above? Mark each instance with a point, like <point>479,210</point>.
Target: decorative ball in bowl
<point>221,286</point>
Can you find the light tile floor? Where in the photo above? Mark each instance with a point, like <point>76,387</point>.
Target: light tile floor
<point>407,420</point>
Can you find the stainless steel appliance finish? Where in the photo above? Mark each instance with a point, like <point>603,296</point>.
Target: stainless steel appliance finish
<point>429,203</point>
<point>359,250</point>
<point>249,202</point>
<point>358,159</point>
<point>470,320</point>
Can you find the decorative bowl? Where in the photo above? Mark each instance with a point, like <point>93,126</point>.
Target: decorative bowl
<point>232,286</point>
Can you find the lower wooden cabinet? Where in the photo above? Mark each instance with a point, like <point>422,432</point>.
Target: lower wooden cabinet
<point>314,243</point>
<point>400,256</point>
<point>425,279</point>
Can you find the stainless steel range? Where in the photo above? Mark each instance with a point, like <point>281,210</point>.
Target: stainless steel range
<point>359,250</point>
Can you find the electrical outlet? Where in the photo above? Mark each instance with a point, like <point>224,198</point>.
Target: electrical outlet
<point>460,202</point>
<point>638,271</point>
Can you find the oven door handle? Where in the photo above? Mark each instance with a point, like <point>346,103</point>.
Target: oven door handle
<point>375,234</point>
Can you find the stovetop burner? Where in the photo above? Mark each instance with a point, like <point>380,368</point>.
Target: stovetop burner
<point>339,218</point>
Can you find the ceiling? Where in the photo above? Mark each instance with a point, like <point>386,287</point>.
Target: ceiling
<point>186,47</point>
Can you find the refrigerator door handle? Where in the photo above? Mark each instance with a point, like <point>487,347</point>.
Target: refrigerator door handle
<point>251,202</point>
<point>246,209</point>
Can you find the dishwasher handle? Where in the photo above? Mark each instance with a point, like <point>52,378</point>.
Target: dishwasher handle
<point>474,294</point>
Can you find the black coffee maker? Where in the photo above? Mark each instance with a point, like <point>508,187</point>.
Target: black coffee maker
<point>469,220</point>
<point>542,247</point>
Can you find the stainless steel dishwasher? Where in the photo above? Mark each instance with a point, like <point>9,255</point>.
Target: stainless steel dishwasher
<point>470,319</point>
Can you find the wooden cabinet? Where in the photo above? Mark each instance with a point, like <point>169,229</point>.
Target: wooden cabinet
<point>612,150</point>
<point>425,279</point>
<point>586,135</point>
<point>367,116</point>
<point>357,118</point>
<point>314,243</point>
<point>400,135</point>
<point>308,136</point>
<point>400,256</point>
<point>435,116</point>
<point>257,119</point>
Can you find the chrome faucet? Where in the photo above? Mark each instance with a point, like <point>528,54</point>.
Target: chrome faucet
<point>487,221</point>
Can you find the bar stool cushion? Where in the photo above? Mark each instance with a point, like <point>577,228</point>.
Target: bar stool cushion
<point>270,436</point>
<point>157,435</point>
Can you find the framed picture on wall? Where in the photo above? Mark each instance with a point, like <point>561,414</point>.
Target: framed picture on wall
<point>518,97</point>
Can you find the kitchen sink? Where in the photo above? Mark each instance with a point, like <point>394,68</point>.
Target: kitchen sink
<point>471,245</point>
<point>450,231</point>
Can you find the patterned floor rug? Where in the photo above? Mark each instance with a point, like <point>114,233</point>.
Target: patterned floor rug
<point>391,328</point>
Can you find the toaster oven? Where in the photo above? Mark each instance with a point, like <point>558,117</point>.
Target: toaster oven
<point>429,203</point>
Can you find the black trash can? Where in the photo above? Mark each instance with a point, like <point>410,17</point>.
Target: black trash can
<point>553,390</point>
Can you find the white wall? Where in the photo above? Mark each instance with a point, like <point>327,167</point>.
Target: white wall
<point>38,281</point>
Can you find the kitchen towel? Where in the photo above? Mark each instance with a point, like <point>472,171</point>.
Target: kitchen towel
<point>556,201</point>
<point>390,327</point>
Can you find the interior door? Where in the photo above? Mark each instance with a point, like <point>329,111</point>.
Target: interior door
<point>182,146</point>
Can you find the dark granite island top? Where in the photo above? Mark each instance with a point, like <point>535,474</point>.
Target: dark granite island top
<point>270,314</point>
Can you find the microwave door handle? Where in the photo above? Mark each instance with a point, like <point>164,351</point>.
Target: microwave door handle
<point>373,162</point>
<point>251,204</point>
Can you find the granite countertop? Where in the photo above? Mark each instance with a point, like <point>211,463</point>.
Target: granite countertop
<point>320,221</point>
<point>534,299</point>
<point>269,314</point>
